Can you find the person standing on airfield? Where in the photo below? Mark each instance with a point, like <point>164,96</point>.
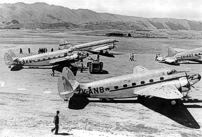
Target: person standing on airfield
<point>29,50</point>
<point>56,122</point>
<point>21,51</point>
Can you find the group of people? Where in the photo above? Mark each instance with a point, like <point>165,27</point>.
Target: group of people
<point>21,52</point>
<point>42,50</point>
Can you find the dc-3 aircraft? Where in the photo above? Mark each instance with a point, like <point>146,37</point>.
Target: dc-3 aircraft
<point>176,56</point>
<point>162,83</point>
<point>61,58</point>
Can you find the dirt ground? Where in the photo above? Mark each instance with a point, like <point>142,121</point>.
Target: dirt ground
<point>29,98</point>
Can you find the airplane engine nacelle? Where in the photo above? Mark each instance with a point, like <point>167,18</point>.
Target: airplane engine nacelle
<point>181,84</point>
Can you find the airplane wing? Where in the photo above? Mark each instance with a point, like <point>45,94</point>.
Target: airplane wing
<point>93,44</point>
<point>67,58</point>
<point>104,51</point>
<point>170,60</point>
<point>140,69</point>
<point>161,91</point>
<point>107,54</point>
<point>104,48</point>
<point>179,50</point>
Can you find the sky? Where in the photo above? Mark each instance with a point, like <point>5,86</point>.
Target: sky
<point>180,9</point>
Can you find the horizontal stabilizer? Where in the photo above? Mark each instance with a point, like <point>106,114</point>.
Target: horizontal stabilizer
<point>65,93</point>
<point>171,60</point>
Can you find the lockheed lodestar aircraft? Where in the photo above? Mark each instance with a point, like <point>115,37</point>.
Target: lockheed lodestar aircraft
<point>61,58</point>
<point>177,56</point>
<point>161,83</point>
<point>161,90</point>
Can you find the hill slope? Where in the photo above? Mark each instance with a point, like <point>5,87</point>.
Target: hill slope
<point>43,15</point>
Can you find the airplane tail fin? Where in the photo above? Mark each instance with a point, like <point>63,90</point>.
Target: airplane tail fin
<point>168,51</point>
<point>9,57</point>
<point>67,84</point>
<point>10,52</point>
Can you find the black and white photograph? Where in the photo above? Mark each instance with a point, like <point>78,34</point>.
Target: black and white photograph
<point>101,68</point>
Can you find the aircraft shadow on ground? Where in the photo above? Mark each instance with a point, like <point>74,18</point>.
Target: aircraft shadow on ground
<point>190,63</point>
<point>64,134</point>
<point>178,113</point>
<point>102,72</point>
<point>16,68</point>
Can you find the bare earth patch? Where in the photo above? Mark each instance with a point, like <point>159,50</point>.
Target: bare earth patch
<point>29,99</point>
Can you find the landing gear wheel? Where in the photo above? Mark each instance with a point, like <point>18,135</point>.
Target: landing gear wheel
<point>173,102</point>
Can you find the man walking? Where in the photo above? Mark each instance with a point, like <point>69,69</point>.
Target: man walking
<point>56,122</point>
<point>21,51</point>
<point>29,50</point>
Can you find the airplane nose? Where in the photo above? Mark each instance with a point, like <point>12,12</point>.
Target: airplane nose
<point>194,78</point>
<point>199,77</point>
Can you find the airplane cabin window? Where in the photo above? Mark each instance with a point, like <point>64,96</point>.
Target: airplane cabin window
<point>161,78</point>
<point>151,80</point>
<point>142,82</point>
<point>125,85</point>
<point>116,87</point>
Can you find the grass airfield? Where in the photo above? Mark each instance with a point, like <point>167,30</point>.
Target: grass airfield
<point>29,99</point>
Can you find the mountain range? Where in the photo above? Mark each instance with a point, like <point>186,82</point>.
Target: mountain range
<point>42,15</point>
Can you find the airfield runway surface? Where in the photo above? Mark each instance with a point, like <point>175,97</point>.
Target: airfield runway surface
<point>29,98</point>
